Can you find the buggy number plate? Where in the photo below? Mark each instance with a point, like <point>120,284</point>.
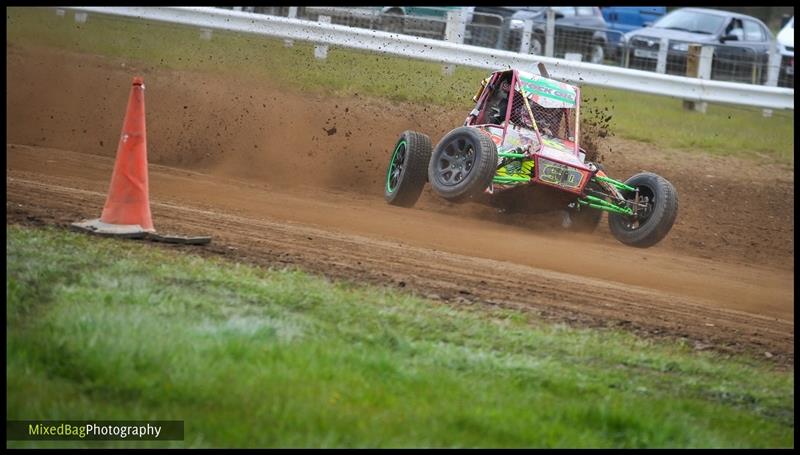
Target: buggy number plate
<point>559,174</point>
<point>645,53</point>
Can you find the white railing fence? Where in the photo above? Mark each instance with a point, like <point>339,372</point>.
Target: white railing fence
<point>451,53</point>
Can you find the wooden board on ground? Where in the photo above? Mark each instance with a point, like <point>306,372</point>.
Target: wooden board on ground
<point>97,227</point>
<point>172,238</point>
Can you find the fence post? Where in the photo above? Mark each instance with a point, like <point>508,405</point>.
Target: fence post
<point>292,14</point>
<point>527,31</point>
<point>704,71</point>
<point>698,64</point>
<point>773,70</point>
<point>321,50</point>
<point>693,70</point>
<point>454,32</point>
<point>502,37</point>
<point>550,32</point>
<point>663,48</point>
<point>692,64</point>
<point>626,53</point>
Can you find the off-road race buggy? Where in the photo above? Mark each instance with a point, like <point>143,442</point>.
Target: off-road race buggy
<point>518,150</point>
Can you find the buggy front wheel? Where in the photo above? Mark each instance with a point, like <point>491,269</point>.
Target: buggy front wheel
<point>463,164</point>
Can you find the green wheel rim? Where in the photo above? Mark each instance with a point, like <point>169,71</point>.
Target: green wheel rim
<point>395,169</point>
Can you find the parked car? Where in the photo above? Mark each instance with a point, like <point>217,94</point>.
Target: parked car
<point>578,29</point>
<point>628,18</point>
<point>786,48</point>
<point>741,43</point>
<point>623,19</point>
<point>503,16</point>
<point>483,28</point>
<point>425,21</point>
<point>402,18</point>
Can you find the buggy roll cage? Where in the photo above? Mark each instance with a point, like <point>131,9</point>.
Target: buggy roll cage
<point>493,82</point>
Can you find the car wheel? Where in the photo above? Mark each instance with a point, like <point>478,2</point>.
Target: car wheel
<point>462,164</point>
<point>597,53</point>
<point>655,221</point>
<point>408,169</point>
<point>584,219</point>
<point>537,45</point>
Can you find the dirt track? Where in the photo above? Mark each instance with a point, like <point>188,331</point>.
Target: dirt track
<point>255,167</point>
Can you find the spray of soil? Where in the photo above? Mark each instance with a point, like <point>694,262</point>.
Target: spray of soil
<point>239,128</point>
<point>595,128</point>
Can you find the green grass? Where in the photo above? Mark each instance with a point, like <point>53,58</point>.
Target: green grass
<point>724,130</point>
<point>108,329</point>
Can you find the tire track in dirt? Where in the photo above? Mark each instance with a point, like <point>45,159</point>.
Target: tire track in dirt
<point>449,277</point>
<point>765,291</point>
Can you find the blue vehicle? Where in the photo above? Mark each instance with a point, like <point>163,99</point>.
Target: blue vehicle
<point>627,18</point>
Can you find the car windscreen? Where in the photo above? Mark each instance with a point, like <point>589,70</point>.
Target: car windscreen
<point>570,11</point>
<point>691,21</point>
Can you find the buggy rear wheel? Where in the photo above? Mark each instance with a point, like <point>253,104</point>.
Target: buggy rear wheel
<point>655,220</point>
<point>584,219</point>
<point>408,169</point>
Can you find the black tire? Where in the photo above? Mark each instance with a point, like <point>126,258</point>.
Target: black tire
<point>596,53</point>
<point>586,219</point>
<point>784,79</point>
<point>408,169</point>
<point>463,164</point>
<point>537,44</point>
<point>655,225</point>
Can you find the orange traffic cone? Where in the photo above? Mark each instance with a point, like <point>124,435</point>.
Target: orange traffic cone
<point>127,208</point>
<point>128,197</point>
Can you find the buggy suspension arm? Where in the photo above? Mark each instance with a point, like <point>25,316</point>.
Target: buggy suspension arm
<point>510,179</point>
<point>511,154</point>
<point>602,204</point>
<point>615,183</point>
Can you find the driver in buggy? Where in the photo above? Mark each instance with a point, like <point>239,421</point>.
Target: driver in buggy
<point>499,104</point>
<point>548,120</point>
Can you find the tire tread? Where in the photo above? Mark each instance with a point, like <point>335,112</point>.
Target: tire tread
<point>482,174</point>
<point>412,182</point>
<point>667,214</point>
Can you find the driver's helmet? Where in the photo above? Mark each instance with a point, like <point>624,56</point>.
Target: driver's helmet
<point>505,87</point>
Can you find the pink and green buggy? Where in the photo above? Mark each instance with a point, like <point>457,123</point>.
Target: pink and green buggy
<point>519,150</point>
